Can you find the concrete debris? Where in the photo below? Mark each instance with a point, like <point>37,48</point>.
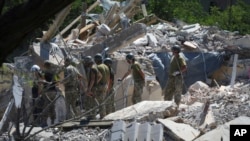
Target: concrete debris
<point>180,131</point>
<point>225,104</point>
<point>143,111</point>
<point>221,133</point>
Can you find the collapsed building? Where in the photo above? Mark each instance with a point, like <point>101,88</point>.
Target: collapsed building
<point>216,83</point>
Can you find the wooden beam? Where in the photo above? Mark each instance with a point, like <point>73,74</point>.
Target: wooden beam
<point>56,24</point>
<point>79,17</point>
<point>234,71</point>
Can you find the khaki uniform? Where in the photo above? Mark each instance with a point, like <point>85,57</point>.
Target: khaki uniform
<point>71,90</point>
<point>139,82</point>
<point>102,87</point>
<point>175,83</point>
<point>110,105</point>
<point>89,101</point>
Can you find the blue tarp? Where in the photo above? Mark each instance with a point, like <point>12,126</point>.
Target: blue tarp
<point>200,66</point>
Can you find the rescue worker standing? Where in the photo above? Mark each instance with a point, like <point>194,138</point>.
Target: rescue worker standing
<point>175,78</point>
<point>93,75</point>
<point>49,94</point>
<point>102,84</point>
<point>71,78</point>
<point>110,106</point>
<point>36,91</point>
<point>138,77</point>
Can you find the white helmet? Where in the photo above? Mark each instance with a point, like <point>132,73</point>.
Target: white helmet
<point>35,68</point>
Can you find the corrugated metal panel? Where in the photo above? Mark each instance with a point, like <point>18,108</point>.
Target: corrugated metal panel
<point>136,132</point>
<point>132,132</point>
<point>144,132</point>
<point>118,131</point>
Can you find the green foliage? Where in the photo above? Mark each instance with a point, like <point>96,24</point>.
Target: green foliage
<point>11,3</point>
<point>234,18</point>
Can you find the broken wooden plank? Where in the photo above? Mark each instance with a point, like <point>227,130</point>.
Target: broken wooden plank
<point>149,20</point>
<point>79,17</point>
<point>144,10</point>
<point>57,22</point>
<point>113,10</point>
<point>190,45</point>
<point>203,113</point>
<point>83,22</point>
<point>5,117</point>
<point>87,27</point>
<point>126,10</point>
<point>234,71</point>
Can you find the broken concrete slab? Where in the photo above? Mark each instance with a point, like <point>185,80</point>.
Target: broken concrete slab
<point>222,132</point>
<point>140,110</point>
<point>118,41</point>
<point>191,28</point>
<point>180,131</point>
<point>243,42</point>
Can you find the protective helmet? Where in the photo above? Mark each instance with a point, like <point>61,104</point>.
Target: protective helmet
<point>35,68</point>
<point>98,57</point>
<point>130,56</point>
<point>88,59</point>
<point>108,61</point>
<point>176,48</point>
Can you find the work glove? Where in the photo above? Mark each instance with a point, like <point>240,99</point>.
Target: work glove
<point>176,73</point>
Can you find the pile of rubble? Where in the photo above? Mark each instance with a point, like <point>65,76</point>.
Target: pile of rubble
<point>225,103</point>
